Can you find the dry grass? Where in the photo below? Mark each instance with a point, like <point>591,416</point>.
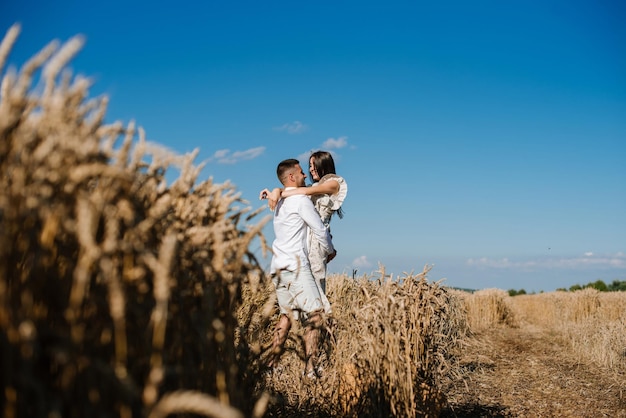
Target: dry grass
<point>591,323</point>
<point>557,354</point>
<point>392,347</point>
<point>118,292</point>
<point>487,308</point>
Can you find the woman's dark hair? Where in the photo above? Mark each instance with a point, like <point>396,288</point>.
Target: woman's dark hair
<point>323,162</point>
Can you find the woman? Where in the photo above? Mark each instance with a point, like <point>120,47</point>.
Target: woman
<point>327,193</point>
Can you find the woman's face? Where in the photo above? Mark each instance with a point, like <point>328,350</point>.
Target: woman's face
<point>312,170</point>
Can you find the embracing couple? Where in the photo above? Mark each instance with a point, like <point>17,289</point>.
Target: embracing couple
<point>302,248</point>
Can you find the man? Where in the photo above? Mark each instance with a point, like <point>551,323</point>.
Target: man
<point>296,290</point>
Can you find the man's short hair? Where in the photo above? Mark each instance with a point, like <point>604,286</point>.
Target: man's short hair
<point>284,167</point>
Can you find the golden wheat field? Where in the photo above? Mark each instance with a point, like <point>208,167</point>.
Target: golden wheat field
<point>124,296</point>
<point>558,354</point>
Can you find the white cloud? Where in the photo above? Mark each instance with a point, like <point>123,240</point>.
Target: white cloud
<point>295,127</point>
<point>224,156</point>
<point>332,143</point>
<point>361,262</point>
<point>587,260</point>
<point>304,158</point>
<point>221,153</point>
<point>329,145</point>
<point>489,262</point>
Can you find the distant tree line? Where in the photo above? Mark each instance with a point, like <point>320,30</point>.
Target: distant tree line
<point>614,286</point>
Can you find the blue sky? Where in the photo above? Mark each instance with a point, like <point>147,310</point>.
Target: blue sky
<point>487,139</point>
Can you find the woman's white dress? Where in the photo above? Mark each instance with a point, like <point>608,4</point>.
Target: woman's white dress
<point>326,206</point>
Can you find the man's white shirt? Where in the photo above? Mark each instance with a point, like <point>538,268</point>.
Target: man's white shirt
<point>292,216</point>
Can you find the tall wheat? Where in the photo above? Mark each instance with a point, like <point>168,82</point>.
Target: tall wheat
<point>118,292</point>
<point>392,346</point>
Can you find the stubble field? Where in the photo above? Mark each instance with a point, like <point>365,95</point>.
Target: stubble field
<point>550,355</point>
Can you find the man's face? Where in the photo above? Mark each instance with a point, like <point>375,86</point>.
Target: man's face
<point>299,176</point>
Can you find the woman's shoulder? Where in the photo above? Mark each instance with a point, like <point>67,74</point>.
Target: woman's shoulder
<point>338,198</point>
<point>335,177</point>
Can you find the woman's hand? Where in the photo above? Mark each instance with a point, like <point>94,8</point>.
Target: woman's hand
<point>331,256</point>
<point>264,193</point>
<point>272,197</point>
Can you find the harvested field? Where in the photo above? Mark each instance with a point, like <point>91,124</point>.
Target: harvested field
<point>526,372</point>
<point>524,358</point>
<point>548,364</point>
